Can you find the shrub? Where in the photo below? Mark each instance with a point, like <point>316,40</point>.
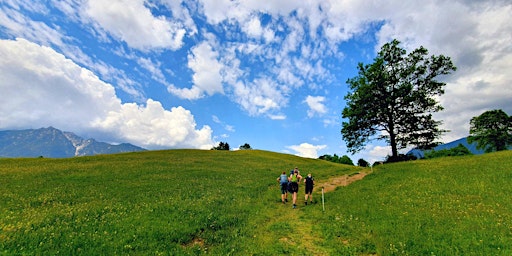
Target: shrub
<point>460,150</point>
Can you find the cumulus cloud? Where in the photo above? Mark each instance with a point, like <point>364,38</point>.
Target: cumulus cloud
<point>307,150</point>
<point>207,73</point>
<point>261,97</point>
<point>315,104</point>
<point>133,22</point>
<point>40,88</point>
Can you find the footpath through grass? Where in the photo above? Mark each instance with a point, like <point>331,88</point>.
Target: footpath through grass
<point>178,202</point>
<point>192,202</point>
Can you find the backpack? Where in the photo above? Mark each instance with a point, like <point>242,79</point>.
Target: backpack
<point>294,178</point>
<point>309,181</point>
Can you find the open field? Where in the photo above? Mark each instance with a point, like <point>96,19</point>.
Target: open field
<point>190,202</point>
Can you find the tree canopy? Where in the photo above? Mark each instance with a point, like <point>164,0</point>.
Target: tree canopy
<point>393,99</point>
<point>491,130</point>
<point>336,159</point>
<point>222,146</point>
<point>245,146</point>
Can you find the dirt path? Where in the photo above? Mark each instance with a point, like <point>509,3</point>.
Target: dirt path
<point>304,236</point>
<point>341,181</point>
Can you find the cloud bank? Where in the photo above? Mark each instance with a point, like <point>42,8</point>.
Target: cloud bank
<point>41,88</point>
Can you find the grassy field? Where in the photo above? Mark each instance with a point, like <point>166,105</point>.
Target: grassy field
<point>192,202</point>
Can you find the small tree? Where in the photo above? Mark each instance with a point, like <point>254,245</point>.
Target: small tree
<point>222,146</point>
<point>491,130</point>
<point>363,163</point>
<point>345,160</point>
<point>245,146</point>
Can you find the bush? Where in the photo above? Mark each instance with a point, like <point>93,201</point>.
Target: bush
<point>336,159</point>
<point>363,163</point>
<point>459,150</point>
<point>399,158</point>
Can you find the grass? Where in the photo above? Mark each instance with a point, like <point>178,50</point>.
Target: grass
<point>190,202</point>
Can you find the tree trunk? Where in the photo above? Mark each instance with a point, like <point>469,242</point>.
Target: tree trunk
<point>392,142</point>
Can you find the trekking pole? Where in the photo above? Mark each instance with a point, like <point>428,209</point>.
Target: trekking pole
<point>323,204</point>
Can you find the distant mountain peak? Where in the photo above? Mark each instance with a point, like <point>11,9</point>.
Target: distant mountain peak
<point>52,142</point>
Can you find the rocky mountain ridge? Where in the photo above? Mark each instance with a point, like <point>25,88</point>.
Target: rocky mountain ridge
<point>54,143</point>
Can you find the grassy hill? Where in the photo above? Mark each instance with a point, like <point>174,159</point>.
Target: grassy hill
<point>189,202</point>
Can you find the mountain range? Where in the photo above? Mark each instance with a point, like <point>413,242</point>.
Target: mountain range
<point>54,143</point>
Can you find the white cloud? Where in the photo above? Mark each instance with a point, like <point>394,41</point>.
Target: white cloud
<point>478,41</point>
<point>253,27</point>
<point>307,150</point>
<point>207,73</point>
<point>203,61</point>
<point>21,26</point>
<point>227,127</point>
<point>42,88</point>
<point>373,153</point>
<point>315,104</point>
<point>260,97</point>
<point>133,22</point>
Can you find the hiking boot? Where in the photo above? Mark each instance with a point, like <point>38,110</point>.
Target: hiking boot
<point>306,203</point>
<point>286,200</point>
<point>294,206</point>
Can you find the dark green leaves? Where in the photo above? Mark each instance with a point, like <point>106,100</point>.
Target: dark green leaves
<point>492,130</point>
<point>393,99</point>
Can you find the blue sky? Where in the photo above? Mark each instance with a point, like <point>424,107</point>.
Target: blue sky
<point>190,74</point>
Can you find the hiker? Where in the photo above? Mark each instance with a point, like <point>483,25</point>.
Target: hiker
<point>309,181</point>
<point>295,179</point>
<point>283,181</point>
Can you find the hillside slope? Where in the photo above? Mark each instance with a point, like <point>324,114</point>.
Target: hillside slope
<point>183,202</point>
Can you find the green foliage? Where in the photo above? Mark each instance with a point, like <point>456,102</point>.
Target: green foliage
<point>393,99</point>
<point>336,159</point>
<point>363,163</point>
<point>460,150</point>
<point>245,146</point>
<point>492,131</point>
<point>190,202</point>
<point>399,158</point>
<point>222,146</point>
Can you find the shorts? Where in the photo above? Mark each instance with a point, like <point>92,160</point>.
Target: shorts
<point>294,187</point>
<point>309,189</point>
<point>284,188</point>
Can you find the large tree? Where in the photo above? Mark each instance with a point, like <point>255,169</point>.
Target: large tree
<point>492,130</point>
<point>393,99</point>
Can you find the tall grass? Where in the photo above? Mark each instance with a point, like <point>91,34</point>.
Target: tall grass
<point>190,202</point>
<point>447,206</point>
<point>163,202</point>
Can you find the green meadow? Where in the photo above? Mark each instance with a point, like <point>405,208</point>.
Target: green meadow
<point>193,202</point>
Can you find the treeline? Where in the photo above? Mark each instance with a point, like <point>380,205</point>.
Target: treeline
<point>225,146</point>
<point>336,159</point>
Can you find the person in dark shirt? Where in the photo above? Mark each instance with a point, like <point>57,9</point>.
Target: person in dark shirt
<point>309,188</point>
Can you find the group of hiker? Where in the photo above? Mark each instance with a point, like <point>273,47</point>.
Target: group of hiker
<point>290,183</point>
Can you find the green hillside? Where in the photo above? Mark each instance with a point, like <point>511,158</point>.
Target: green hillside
<point>188,202</point>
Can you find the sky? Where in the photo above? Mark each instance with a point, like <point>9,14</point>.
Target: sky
<point>165,74</point>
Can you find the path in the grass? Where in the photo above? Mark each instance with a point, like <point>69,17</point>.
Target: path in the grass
<point>304,236</point>
<point>341,181</point>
